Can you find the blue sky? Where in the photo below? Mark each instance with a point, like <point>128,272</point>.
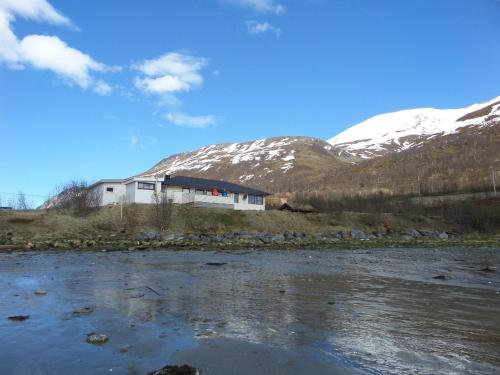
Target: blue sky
<point>105,89</point>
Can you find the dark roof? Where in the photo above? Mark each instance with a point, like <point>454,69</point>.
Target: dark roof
<point>203,183</point>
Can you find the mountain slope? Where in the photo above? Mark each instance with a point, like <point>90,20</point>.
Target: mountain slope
<point>402,130</point>
<point>276,164</point>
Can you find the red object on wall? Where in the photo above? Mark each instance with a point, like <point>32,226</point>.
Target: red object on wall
<point>215,192</point>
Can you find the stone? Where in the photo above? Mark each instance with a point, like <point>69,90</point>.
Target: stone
<point>358,234</point>
<point>407,237</point>
<point>414,233</point>
<point>443,236</point>
<point>427,233</point>
<point>84,310</point>
<point>441,277</point>
<point>40,292</point>
<point>278,238</point>
<point>176,370</point>
<point>18,318</point>
<point>215,263</point>
<point>148,235</point>
<point>96,339</point>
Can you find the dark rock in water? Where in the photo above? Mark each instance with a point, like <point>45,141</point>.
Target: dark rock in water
<point>215,263</point>
<point>18,318</point>
<point>441,277</point>
<point>176,370</point>
<point>488,269</point>
<point>331,303</point>
<point>40,292</point>
<point>358,234</point>
<point>282,291</point>
<point>94,338</point>
<point>84,310</point>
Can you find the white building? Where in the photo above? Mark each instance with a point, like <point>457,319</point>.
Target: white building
<point>199,192</point>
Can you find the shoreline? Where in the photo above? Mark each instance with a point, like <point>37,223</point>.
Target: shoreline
<point>187,245</point>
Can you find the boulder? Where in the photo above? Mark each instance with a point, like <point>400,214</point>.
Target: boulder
<point>148,235</point>
<point>278,238</point>
<point>443,236</point>
<point>407,237</point>
<point>358,234</point>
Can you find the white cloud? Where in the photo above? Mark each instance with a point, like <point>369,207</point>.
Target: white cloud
<point>102,88</point>
<point>256,28</point>
<point>46,52</point>
<point>183,119</point>
<point>141,143</point>
<point>171,73</point>
<point>262,6</point>
<point>39,10</point>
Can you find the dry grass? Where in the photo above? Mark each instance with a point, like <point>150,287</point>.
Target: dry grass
<point>106,222</point>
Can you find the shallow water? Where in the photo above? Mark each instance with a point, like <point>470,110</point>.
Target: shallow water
<point>264,312</point>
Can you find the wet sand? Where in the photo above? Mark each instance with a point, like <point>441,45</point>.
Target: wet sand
<point>263,312</point>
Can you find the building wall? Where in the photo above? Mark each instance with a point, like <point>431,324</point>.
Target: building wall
<point>112,197</point>
<point>142,195</point>
<point>130,192</point>
<point>244,205</point>
<point>105,197</point>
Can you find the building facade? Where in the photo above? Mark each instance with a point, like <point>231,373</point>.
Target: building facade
<point>198,192</point>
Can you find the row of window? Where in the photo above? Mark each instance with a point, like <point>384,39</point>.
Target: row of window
<point>255,199</point>
<point>252,199</point>
<point>146,186</point>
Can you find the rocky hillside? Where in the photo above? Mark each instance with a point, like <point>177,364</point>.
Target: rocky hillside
<point>404,130</point>
<point>277,164</point>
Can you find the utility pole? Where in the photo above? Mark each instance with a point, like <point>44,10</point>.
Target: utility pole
<point>493,180</point>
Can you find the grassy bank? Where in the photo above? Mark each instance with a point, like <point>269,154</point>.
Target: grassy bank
<point>190,227</point>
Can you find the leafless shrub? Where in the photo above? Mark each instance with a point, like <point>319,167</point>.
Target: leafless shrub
<point>161,211</point>
<point>75,196</point>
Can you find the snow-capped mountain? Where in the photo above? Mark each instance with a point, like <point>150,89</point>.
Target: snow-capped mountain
<point>402,130</point>
<point>271,163</point>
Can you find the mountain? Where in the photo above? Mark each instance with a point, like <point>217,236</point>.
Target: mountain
<point>403,130</point>
<point>278,164</point>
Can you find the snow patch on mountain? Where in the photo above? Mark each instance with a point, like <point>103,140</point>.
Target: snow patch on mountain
<point>212,156</point>
<point>398,131</point>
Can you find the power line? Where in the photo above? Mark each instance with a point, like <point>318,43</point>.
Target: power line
<point>28,195</point>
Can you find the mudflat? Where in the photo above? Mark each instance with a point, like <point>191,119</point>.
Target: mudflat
<point>251,312</point>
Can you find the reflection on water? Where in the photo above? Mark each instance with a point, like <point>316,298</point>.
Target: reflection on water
<point>377,311</point>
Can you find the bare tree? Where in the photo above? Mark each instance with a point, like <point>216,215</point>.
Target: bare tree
<point>22,203</point>
<point>161,211</point>
<point>76,196</point>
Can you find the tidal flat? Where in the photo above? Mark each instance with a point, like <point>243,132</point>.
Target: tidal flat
<point>367,311</point>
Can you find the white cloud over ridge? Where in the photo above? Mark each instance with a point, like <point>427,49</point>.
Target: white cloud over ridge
<point>256,28</point>
<point>46,52</point>
<point>199,122</point>
<point>169,75</point>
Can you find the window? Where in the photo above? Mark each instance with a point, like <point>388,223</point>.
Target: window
<point>146,186</point>
<point>200,192</point>
<point>236,198</point>
<point>186,190</point>
<point>255,199</point>
<point>110,189</point>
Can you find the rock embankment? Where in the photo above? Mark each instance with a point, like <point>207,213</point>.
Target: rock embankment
<point>242,239</point>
